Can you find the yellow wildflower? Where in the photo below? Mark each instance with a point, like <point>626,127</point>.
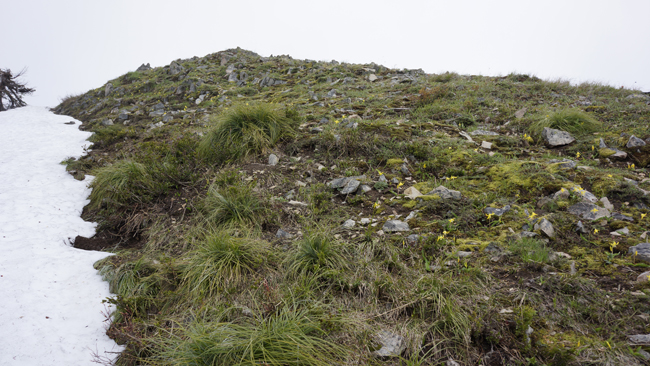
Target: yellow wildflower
<point>595,231</point>
<point>451,220</point>
<point>445,232</point>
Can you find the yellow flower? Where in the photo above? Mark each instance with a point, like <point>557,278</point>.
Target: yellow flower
<point>592,147</point>
<point>643,215</point>
<point>608,345</point>
<point>445,232</point>
<point>440,237</point>
<point>595,231</point>
<point>489,216</point>
<point>400,184</point>
<point>424,165</point>
<point>609,175</point>
<point>337,121</point>
<point>578,154</point>
<point>451,220</point>
<point>594,210</point>
<point>376,205</point>
<point>379,171</point>
<point>532,215</point>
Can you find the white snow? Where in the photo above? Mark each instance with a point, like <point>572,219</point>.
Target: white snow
<point>51,310</point>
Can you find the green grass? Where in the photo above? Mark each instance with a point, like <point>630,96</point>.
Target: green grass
<point>222,260</point>
<point>121,183</point>
<point>246,130</point>
<point>233,205</point>
<point>293,336</point>
<point>316,251</point>
<point>570,120</point>
<point>530,250</point>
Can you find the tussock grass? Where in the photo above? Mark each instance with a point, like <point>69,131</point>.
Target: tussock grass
<point>121,183</point>
<point>530,250</point>
<point>570,120</point>
<point>222,260</point>
<point>316,251</point>
<point>293,336</point>
<point>246,130</point>
<point>233,205</point>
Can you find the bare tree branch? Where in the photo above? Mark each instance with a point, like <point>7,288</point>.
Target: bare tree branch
<point>12,90</point>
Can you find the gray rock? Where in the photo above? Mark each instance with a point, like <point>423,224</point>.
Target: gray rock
<point>159,107</point>
<point>232,77</point>
<point>404,169</point>
<point>564,164</point>
<point>107,122</point>
<point>520,113</point>
<point>640,251</point>
<point>395,181</point>
<point>640,338</point>
<point>372,77</point>
<point>580,228</point>
<point>175,68</point>
<point>332,93</point>
<point>167,118</point>
<point>601,144</point>
<point>352,125</point>
<point>156,113</point>
<point>496,211</point>
<point>324,121</point>
<point>561,194</point>
<point>351,186</point>
<point>528,234</point>
<point>153,126</point>
<point>392,345</point>
<point>445,193</point>
<point>486,145</point>
<point>554,137</point>
<point>273,159</point>
<point>483,133</point>
<point>546,227</point>
<point>108,89</point>
<point>395,225</point>
<point>621,217</point>
<point>144,67</point>
<point>634,142</point>
<point>283,234</point>
<point>466,135</point>
<point>463,254</point>
<point>316,130</point>
<point>365,188</point>
<point>382,178</point>
<point>349,224</point>
<point>413,239</point>
<point>608,205</point>
<point>290,195</point>
<point>123,116</point>
<point>588,211</point>
<point>451,362</point>
<point>230,69</point>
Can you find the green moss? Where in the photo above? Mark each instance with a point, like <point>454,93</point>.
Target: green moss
<point>391,163</point>
<point>409,204</point>
<point>606,152</point>
<point>527,176</point>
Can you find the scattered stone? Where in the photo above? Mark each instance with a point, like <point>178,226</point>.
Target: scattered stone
<point>298,203</point>
<point>167,118</point>
<point>621,217</point>
<point>395,181</point>
<point>607,204</point>
<point>283,234</point>
<point>273,159</point>
<point>349,224</point>
<point>643,277</point>
<point>640,252</point>
<point>301,184</point>
<point>581,228</point>
<point>392,345</point>
<point>144,67</point>
<point>588,211</point>
<point>465,135</point>
<point>411,215</point>
<point>153,126</point>
<point>317,130</point>
<point>528,234</point>
<point>612,153</point>
<point>364,188</point>
<point>554,137</point>
<point>623,231</point>
<point>463,254</point>
<point>634,142</point>
<point>395,225</point>
<point>413,239</point>
<point>486,145</point>
<point>107,122</point>
<point>175,68</point>
<point>451,362</point>
<point>520,113</point>
<point>108,89</point>
<point>332,93</point>
<point>546,227</point>
<point>290,195</point>
<point>372,77</point>
<point>496,211</point>
<point>365,221</point>
<point>640,338</point>
<point>404,169</point>
<point>445,193</point>
<point>412,193</point>
<point>561,194</point>
<point>483,133</point>
<point>350,186</point>
<point>564,164</point>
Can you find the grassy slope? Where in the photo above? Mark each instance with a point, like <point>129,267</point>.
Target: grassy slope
<point>203,265</point>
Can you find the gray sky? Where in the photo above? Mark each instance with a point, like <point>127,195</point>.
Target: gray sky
<point>71,46</point>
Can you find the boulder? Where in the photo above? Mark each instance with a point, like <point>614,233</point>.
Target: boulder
<point>640,252</point>
<point>588,211</point>
<point>554,137</point>
<point>395,225</point>
<point>634,142</point>
<point>445,193</point>
<point>496,211</point>
<point>545,227</point>
<point>144,67</point>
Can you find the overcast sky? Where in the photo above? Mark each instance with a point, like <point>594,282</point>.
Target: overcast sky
<point>71,46</point>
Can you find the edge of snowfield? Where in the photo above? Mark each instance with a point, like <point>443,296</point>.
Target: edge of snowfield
<point>51,310</point>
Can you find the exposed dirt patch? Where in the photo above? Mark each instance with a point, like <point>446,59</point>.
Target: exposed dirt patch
<point>103,241</point>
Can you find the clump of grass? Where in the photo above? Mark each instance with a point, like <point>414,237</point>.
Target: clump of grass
<point>530,250</point>
<point>290,337</point>
<point>246,130</point>
<point>570,120</point>
<point>123,182</point>
<point>315,251</point>
<point>107,135</point>
<point>222,260</point>
<point>233,205</point>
